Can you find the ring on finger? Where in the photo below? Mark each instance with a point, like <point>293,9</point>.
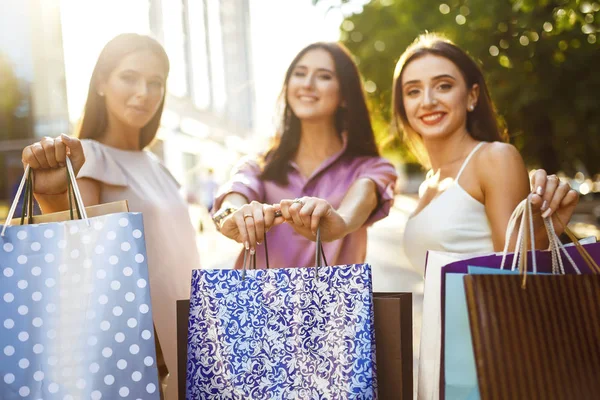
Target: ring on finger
<point>248,216</point>
<point>298,201</point>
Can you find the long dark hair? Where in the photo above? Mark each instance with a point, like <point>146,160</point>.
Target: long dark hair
<point>95,116</point>
<point>352,118</point>
<point>482,123</point>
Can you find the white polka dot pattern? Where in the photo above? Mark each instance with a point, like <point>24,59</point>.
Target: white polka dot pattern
<point>75,315</point>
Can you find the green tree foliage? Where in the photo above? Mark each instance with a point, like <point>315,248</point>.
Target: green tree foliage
<point>541,59</point>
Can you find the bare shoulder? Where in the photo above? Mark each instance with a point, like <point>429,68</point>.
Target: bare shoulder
<point>496,157</point>
<point>500,164</point>
<point>500,151</point>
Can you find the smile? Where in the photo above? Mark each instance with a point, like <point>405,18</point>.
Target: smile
<point>308,99</point>
<point>432,119</point>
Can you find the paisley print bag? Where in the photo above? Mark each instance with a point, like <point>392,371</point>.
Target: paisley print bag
<point>289,333</point>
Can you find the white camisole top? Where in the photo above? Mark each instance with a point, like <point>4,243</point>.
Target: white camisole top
<point>453,222</point>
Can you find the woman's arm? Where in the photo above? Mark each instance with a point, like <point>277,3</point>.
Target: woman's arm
<point>308,213</point>
<point>505,183</point>
<point>234,200</point>
<point>358,204</point>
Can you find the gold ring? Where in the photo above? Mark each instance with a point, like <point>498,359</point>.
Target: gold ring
<point>248,215</point>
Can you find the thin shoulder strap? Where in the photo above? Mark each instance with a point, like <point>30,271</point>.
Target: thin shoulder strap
<point>462,168</point>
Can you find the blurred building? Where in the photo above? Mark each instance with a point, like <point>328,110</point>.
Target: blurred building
<point>33,100</point>
<point>48,49</point>
<point>211,98</point>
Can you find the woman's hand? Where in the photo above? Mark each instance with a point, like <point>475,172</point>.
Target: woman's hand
<point>47,158</point>
<point>307,214</point>
<point>551,197</point>
<point>250,223</point>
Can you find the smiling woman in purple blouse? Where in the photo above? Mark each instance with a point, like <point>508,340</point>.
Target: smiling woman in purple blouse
<point>323,169</point>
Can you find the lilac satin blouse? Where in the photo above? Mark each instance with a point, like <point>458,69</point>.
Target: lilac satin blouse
<point>331,182</point>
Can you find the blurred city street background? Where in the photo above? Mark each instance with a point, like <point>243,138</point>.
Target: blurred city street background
<point>228,59</point>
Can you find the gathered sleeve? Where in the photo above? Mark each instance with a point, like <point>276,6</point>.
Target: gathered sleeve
<point>100,166</point>
<point>245,180</point>
<point>383,174</point>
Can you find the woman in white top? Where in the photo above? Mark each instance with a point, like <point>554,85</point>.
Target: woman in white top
<point>122,115</point>
<point>442,104</point>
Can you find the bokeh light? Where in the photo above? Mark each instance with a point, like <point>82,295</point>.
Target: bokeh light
<point>444,8</point>
<point>370,87</point>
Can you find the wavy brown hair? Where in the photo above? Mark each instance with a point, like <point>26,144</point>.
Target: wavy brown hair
<point>95,116</point>
<point>353,118</point>
<point>483,122</point>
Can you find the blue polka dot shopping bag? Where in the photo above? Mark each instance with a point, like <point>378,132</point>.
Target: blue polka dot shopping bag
<point>290,333</point>
<point>75,313</point>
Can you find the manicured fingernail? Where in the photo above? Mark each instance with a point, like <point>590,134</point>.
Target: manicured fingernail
<point>314,233</point>
<point>539,190</point>
<point>247,245</point>
<point>547,213</point>
<point>259,243</point>
<point>252,251</point>
<point>544,205</point>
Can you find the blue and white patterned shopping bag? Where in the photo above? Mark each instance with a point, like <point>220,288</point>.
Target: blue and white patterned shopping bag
<point>75,313</point>
<point>282,334</point>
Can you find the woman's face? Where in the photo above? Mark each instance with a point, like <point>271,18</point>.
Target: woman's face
<point>135,89</point>
<point>313,89</point>
<point>436,97</point>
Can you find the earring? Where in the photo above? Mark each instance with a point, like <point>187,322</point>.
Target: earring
<point>471,107</point>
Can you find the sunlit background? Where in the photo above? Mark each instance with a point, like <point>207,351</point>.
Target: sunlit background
<point>228,59</point>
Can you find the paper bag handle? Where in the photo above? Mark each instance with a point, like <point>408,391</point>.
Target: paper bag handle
<point>250,259</point>
<point>587,258</point>
<point>524,211</point>
<point>28,177</point>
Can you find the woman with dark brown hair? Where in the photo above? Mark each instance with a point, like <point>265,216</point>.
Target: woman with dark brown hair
<point>476,179</point>
<point>323,170</point>
<point>122,114</point>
